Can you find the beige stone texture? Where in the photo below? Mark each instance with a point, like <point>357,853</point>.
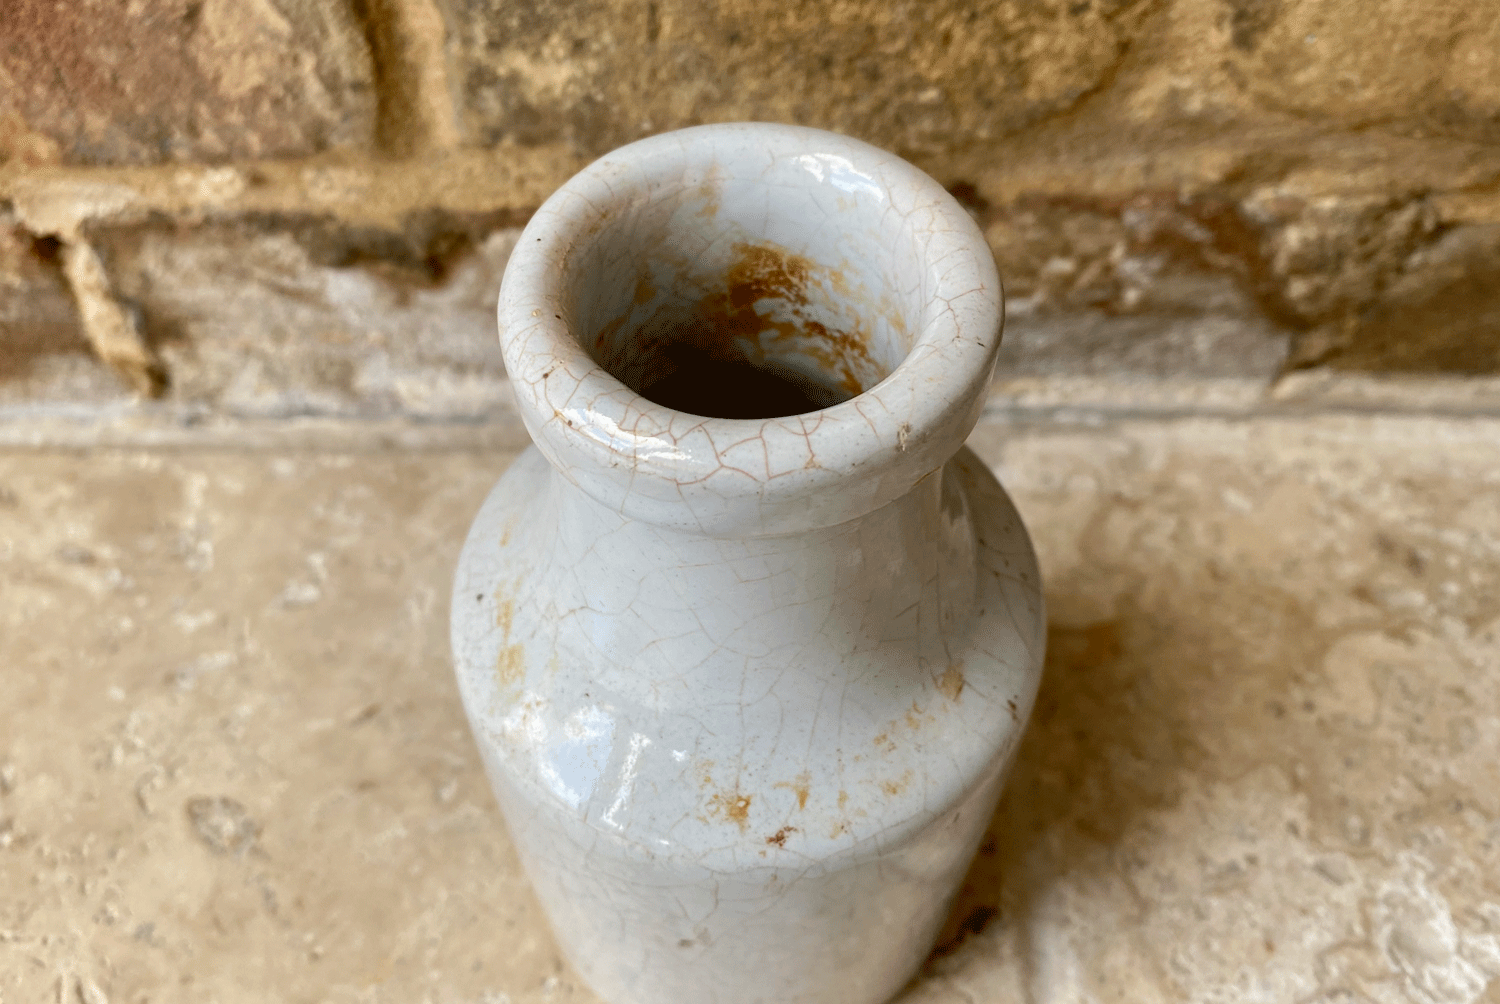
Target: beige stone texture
<point>918,78</point>
<point>37,317</point>
<point>416,113</point>
<point>1419,67</point>
<point>294,316</point>
<point>1169,185</point>
<point>1451,296</point>
<point>1262,766</point>
<point>148,81</point>
<point>46,360</point>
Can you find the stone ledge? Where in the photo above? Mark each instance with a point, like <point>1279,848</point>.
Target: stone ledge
<point>1056,401</point>
<point>1262,763</point>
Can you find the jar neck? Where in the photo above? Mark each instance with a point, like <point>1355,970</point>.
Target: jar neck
<point>905,570</point>
<point>795,250</point>
<point>678,534</point>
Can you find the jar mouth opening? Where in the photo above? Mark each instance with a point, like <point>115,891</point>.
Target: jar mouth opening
<point>750,282</point>
<point>726,293</point>
<point>769,333</point>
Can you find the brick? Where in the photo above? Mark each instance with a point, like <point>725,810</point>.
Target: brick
<point>1440,315</point>
<point>1424,68</point>
<point>1211,285</point>
<point>44,355</point>
<point>282,316</point>
<point>176,80</point>
<point>918,78</point>
<point>1409,69</point>
<point>1128,288</point>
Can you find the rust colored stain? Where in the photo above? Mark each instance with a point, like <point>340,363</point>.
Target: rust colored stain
<point>510,665</point>
<point>733,806</point>
<point>645,290</point>
<point>767,272</point>
<point>505,612</point>
<point>951,683</point>
<point>605,340</point>
<point>897,786</point>
<point>779,837</point>
<point>801,787</point>
<point>729,340</point>
<point>710,190</point>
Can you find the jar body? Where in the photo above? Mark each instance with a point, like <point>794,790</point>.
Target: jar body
<point>747,680</point>
<point>744,769</point>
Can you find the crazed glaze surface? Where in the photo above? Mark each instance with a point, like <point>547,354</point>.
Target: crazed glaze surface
<point>747,689</point>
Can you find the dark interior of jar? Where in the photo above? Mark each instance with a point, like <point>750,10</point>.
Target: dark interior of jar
<point>716,321</point>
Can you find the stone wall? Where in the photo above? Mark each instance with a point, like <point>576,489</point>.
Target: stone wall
<point>290,207</point>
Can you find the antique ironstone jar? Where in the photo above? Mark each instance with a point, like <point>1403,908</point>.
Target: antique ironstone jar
<point>749,638</point>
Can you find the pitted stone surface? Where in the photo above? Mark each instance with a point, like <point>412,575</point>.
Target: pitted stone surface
<point>917,78</point>
<point>178,80</point>
<point>44,355</point>
<point>280,317</point>
<point>1262,763</point>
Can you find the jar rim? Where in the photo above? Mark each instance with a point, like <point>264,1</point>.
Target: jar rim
<point>749,476</point>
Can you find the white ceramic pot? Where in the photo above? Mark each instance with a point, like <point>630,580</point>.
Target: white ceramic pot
<point>747,687</point>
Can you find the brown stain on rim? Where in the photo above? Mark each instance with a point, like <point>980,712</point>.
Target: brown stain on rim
<point>779,837</point>
<point>732,806</point>
<point>705,769</point>
<point>767,272</point>
<point>951,683</point>
<point>842,826</point>
<point>645,289</point>
<point>711,190</point>
<point>510,665</point>
<point>728,326</point>
<point>915,717</point>
<point>801,787</point>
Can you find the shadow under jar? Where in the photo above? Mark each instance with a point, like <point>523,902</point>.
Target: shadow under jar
<point>748,640</point>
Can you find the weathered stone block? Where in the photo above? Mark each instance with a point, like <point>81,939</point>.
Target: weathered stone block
<point>1126,289</point>
<point>1413,69</point>
<point>275,317</point>
<point>1431,67</point>
<point>167,80</point>
<point>1440,314</point>
<point>44,356</point>
<point>1210,285</point>
<point>918,78</point>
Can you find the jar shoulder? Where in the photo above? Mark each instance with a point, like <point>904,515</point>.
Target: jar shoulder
<point>744,694</point>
